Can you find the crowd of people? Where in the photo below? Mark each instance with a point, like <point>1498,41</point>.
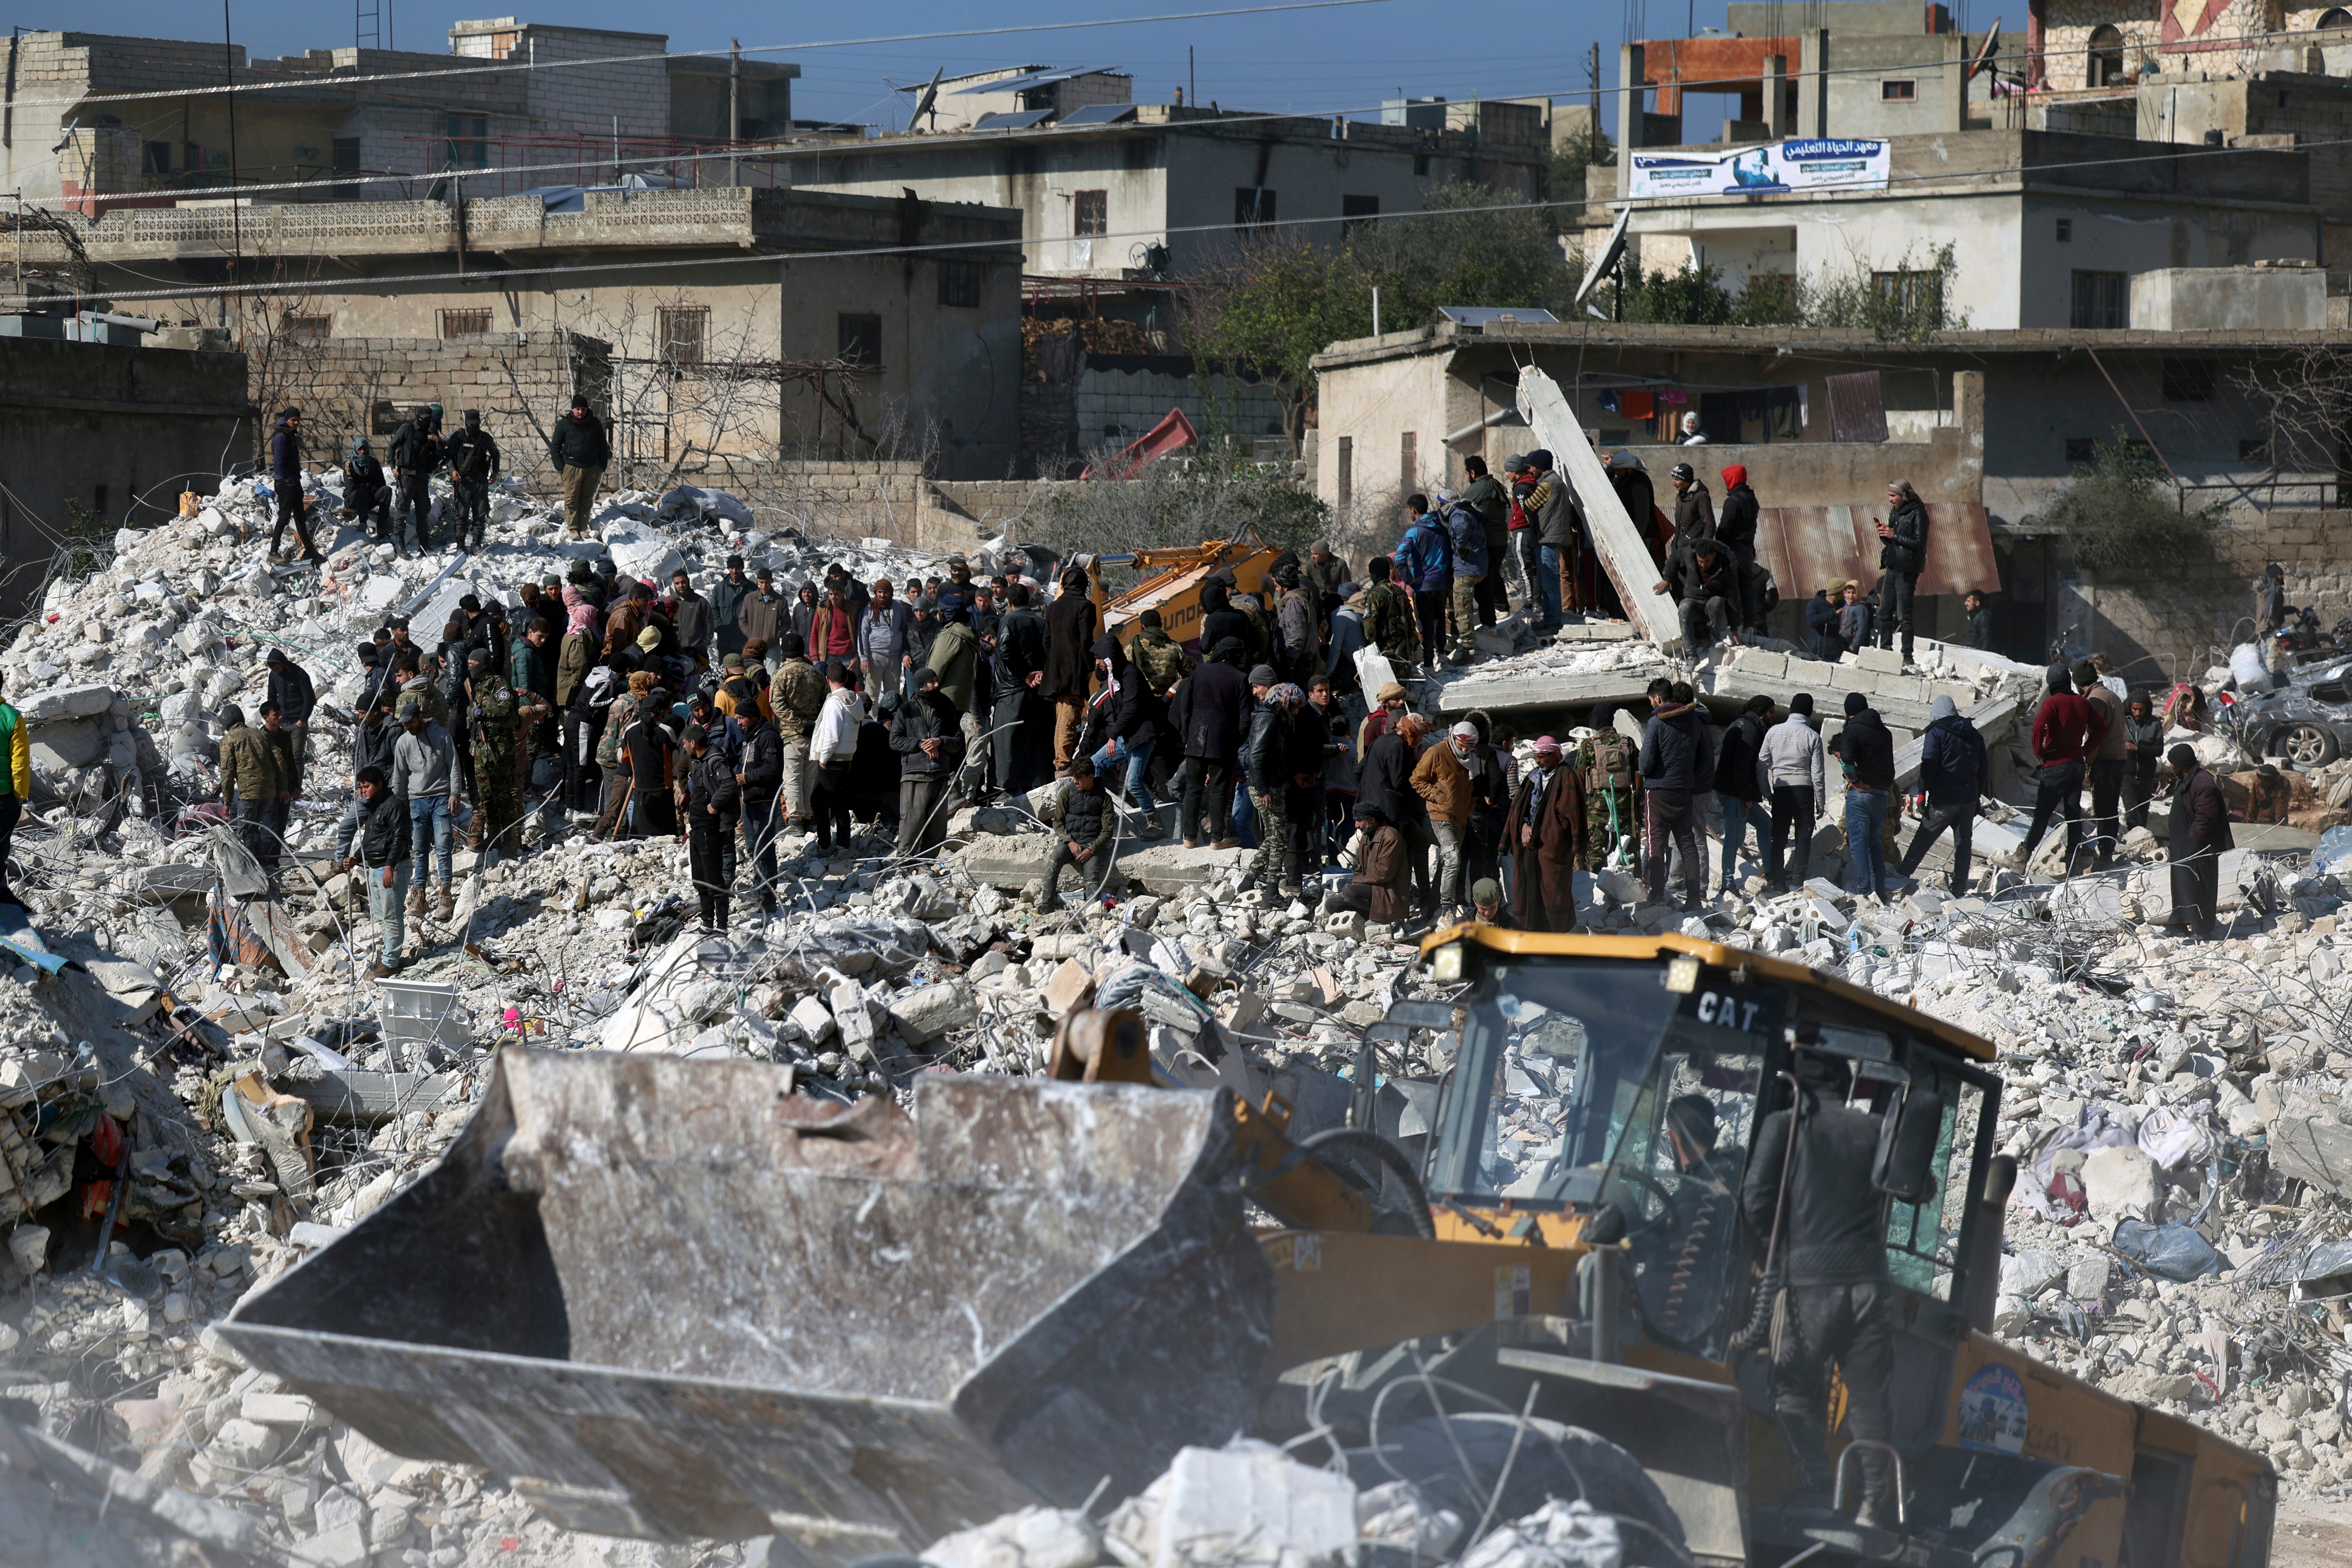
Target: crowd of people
<point>731,713</point>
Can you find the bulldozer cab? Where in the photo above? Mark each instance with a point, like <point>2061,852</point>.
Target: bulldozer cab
<point>1616,1096</point>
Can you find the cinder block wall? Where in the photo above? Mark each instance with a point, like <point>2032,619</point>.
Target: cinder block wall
<point>2176,617</point>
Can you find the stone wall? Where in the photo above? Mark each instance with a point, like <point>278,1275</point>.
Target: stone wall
<point>2177,617</point>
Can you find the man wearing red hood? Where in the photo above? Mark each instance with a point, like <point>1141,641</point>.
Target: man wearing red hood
<point>1735,525</point>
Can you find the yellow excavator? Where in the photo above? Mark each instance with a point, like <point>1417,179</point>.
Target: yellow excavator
<point>672,1298</point>
<point>1171,581</point>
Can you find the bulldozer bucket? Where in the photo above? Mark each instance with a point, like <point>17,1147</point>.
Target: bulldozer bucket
<point>671,1298</point>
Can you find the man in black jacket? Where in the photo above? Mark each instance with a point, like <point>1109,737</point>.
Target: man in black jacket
<point>383,849</point>
<point>580,451</point>
<point>1082,818</point>
<point>1953,775</point>
<point>291,689</point>
<point>1384,779</point>
<point>1019,762</point>
<point>1131,717</point>
<point>1072,623</point>
<point>2200,836</point>
<point>1829,1248</point>
<point>1979,633</point>
<point>1207,716</point>
<point>415,452</point>
<point>1866,751</point>
<point>1677,760</point>
<point>711,799</point>
<point>927,734</point>
<point>1739,788</point>
<point>1903,557</point>
<point>763,779</point>
<point>1705,580</point>
<point>473,463</point>
<point>367,495</point>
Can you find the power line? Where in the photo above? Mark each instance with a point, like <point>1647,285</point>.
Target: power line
<point>956,247</point>
<point>475,73</point>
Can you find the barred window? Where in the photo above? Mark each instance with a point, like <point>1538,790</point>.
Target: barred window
<point>685,333</point>
<point>960,283</point>
<point>308,328</point>
<point>464,323</point>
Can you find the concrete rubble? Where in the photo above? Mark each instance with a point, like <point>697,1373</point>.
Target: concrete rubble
<point>2182,1232</point>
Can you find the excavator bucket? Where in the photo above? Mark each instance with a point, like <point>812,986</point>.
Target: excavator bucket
<point>671,1298</point>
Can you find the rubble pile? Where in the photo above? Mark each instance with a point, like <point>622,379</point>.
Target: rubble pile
<point>2181,1232</point>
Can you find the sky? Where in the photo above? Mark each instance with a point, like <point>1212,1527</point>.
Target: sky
<point>1341,61</point>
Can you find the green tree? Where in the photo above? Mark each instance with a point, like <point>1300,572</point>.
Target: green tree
<point>2120,512</point>
<point>1471,245</point>
<point>1262,313</point>
<point>1905,302</point>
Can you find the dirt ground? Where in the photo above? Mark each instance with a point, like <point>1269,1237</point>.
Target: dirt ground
<point>2313,1535</point>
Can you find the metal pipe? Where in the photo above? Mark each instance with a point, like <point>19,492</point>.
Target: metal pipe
<point>1501,416</point>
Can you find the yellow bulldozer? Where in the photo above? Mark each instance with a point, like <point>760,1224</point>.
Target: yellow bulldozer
<point>672,1298</point>
<point>1171,580</point>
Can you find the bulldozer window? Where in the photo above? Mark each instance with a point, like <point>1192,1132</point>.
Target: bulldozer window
<point>1674,1177</point>
<point>1553,1056</point>
<point>1922,1240</point>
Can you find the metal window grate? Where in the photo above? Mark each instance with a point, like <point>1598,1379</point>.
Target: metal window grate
<point>1090,214</point>
<point>464,323</point>
<point>685,333</point>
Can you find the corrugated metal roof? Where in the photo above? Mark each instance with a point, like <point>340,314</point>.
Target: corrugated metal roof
<point>1811,547</point>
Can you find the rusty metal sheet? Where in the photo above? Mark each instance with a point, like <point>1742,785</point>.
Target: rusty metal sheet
<point>1809,547</point>
<point>671,1299</point>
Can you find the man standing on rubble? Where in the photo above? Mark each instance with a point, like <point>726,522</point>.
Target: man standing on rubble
<point>1071,626</point>
<point>285,479</point>
<point>761,778</point>
<point>1556,528</point>
<point>2105,763</point>
<point>250,782</point>
<point>1791,766</point>
<point>693,620</point>
<point>1677,760</point>
<point>415,453</point>
<point>291,689</point>
<point>1020,759</point>
<point>1385,779</point>
<point>424,774</point>
<point>1607,764</point>
<point>797,697</point>
<point>711,797</point>
<point>1545,836</point>
<point>764,617</point>
<point>1389,622</point>
<point>473,466</point>
<point>366,493</point>
<point>927,734</point>
<point>726,599</point>
<point>580,451</point>
<point>382,850</point>
<point>502,723</point>
<point>1207,715</point>
<point>2065,733</point>
<point>2200,836</point>
<point>1866,750</point>
<point>1953,773</point>
<point>1081,818</point>
<point>1484,496</point>
<point>1902,557</point>
<point>1830,1251</point>
<point>1694,506</point>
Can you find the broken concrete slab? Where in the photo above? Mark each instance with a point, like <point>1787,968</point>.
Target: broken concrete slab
<point>1620,542</point>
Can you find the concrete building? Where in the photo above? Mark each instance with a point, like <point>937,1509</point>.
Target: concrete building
<point>1111,189</point>
<point>1823,420</point>
<point>93,436</point>
<point>757,323</point>
<point>609,111</point>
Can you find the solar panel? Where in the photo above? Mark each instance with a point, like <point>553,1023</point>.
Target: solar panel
<point>1010,121</point>
<point>1487,315</point>
<point>1027,79</point>
<point>1100,114</point>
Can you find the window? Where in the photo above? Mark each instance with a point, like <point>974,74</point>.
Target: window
<point>308,328</point>
<point>2189,381</point>
<point>2335,18</point>
<point>960,283</point>
<point>860,338</point>
<point>1408,462</point>
<point>347,154</point>
<point>1090,214</point>
<point>469,146</point>
<point>2065,231</point>
<point>2253,449</point>
<point>384,418</point>
<point>1421,165</point>
<point>464,323</point>
<point>2082,449</point>
<point>1253,205</point>
<point>2100,300</point>
<point>1918,296</point>
<point>1898,91</point>
<point>684,333</point>
<point>156,158</point>
<point>1355,210</point>
<point>1347,474</point>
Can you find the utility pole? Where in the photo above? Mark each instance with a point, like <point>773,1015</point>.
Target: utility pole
<point>1191,78</point>
<point>735,110</point>
<point>235,213</point>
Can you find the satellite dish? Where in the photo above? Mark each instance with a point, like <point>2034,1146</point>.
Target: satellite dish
<point>929,103</point>
<point>1984,55</point>
<point>1611,252</point>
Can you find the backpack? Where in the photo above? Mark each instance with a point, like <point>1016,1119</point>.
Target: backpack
<point>1465,532</point>
<point>1611,766</point>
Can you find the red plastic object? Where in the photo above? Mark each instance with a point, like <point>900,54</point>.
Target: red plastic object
<point>1173,434</point>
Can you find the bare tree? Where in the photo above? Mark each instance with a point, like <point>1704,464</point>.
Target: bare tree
<point>2307,400</point>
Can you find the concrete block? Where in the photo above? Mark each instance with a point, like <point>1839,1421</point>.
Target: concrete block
<point>1884,660</point>
<point>1760,664</point>
<point>1072,986</point>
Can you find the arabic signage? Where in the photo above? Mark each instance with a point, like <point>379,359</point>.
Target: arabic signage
<point>1819,164</point>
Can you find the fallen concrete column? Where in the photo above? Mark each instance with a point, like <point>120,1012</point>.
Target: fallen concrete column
<point>1615,539</point>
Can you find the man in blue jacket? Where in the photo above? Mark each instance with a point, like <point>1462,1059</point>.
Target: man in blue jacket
<point>1952,772</point>
<point>1466,531</point>
<point>1422,562</point>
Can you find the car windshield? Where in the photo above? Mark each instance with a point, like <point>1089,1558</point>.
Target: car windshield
<point>1553,1055</point>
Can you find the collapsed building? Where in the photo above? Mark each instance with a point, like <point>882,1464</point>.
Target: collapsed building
<point>199,1093</point>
